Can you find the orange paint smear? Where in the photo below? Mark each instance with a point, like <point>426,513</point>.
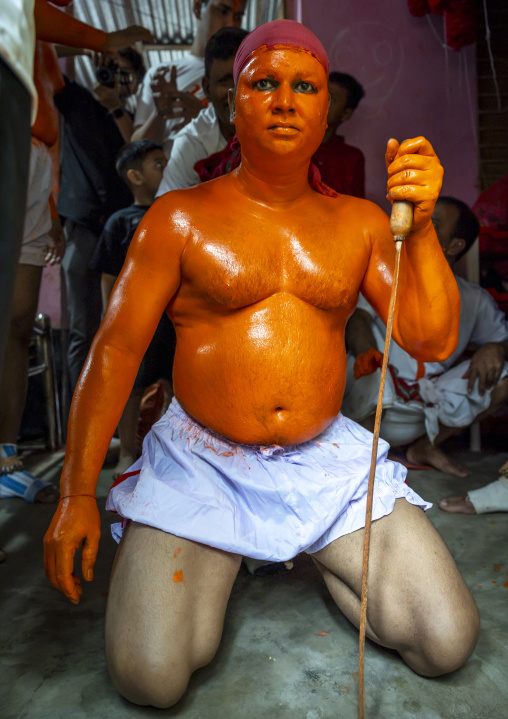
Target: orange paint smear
<point>178,576</point>
<point>505,584</point>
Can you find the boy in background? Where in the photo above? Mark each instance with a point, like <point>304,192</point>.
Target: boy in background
<point>342,167</point>
<point>140,164</point>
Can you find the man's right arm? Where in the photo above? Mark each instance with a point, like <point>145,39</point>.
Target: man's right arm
<point>150,277</point>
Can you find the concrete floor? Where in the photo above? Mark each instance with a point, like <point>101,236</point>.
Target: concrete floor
<point>287,651</point>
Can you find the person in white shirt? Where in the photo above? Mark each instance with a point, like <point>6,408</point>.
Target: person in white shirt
<point>209,132</point>
<point>424,405</point>
<point>171,96</point>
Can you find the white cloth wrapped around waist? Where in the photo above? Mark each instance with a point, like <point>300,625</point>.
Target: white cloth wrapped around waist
<point>265,502</point>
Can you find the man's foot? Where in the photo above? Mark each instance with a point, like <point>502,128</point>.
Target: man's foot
<point>124,462</point>
<point>460,505</point>
<point>423,452</point>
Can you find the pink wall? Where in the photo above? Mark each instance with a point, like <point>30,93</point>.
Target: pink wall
<point>412,85</point>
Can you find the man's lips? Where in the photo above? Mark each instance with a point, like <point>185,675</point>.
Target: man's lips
<point>284,130</point>
<point>283,126</point>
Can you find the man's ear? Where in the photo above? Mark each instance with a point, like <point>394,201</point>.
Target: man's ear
<point>134,177</point>
<point>232,104</point>
<point>196,8</point>
<point>455,246</point>
<point>205,84</point>
<point>347,113</point>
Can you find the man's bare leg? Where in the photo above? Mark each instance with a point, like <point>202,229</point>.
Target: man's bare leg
<point>418,602</point>
<point>165,613</point>
<point>14,377</point>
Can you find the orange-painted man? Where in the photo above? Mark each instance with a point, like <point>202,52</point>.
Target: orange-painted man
<point>259,271</point>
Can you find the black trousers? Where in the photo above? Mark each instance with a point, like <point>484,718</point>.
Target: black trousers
<point>15,143</point>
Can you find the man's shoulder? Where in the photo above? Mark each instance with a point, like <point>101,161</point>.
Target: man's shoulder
<point>351,207</point>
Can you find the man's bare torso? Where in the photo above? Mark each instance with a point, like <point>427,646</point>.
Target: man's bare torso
<point>261,311</point>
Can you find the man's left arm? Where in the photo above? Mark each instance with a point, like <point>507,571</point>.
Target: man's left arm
<point>426,319</point>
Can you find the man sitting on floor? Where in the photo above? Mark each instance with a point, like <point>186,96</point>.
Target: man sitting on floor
<point>259,271</point>
<point>424,404</point>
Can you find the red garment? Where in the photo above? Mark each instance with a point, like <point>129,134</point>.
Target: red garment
<point>341,166</point>
<point>461,18</point>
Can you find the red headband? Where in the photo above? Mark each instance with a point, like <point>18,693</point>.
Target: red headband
<point>279,32</point>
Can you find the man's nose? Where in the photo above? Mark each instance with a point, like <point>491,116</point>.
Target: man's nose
<point>283,99</point>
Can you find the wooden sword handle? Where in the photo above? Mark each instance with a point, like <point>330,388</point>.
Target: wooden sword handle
<point>401,219</point>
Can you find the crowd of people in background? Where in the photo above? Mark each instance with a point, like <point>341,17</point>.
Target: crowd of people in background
<point>114,163</point>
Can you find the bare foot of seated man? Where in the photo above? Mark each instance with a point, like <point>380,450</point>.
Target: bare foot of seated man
<point>259,290</point>
<point>423,451</point>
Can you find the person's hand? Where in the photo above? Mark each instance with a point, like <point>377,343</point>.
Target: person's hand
<point>120,39</point>
<point>109,97</point>
<point>170,102</point>
<point>486,365</point>
<point>414,174</point>
<point>76,524</point>
<point>367,363</point>
<point>55,249</point>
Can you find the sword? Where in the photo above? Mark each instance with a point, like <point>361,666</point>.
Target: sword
<point>400,226</point>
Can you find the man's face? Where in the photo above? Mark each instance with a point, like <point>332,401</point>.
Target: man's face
<point>338,110</point>
<point>128,78</point>
<point>152,170</point>
<point>282,103</point>
<point>217,85</point>
<point>222,13</point>
<point>444,219</point>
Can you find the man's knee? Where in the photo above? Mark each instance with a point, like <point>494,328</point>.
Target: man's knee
<point>147,681</point>
<point>447,644</point>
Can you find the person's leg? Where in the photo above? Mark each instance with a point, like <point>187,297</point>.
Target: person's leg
<point>165,612</point>
<point>127,431</point>
<point>418,602</point>
<point>15,105</point>
<point>14,377</point>
<point>83,295</point>
<point>13,380</point>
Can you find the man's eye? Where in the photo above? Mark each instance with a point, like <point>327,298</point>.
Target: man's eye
<point>264,84</point>
<point>303,86</point>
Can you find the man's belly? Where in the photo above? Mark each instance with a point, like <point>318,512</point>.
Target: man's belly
<point>273,373</point>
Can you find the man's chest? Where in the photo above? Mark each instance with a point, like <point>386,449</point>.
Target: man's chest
<point>236,269</point>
